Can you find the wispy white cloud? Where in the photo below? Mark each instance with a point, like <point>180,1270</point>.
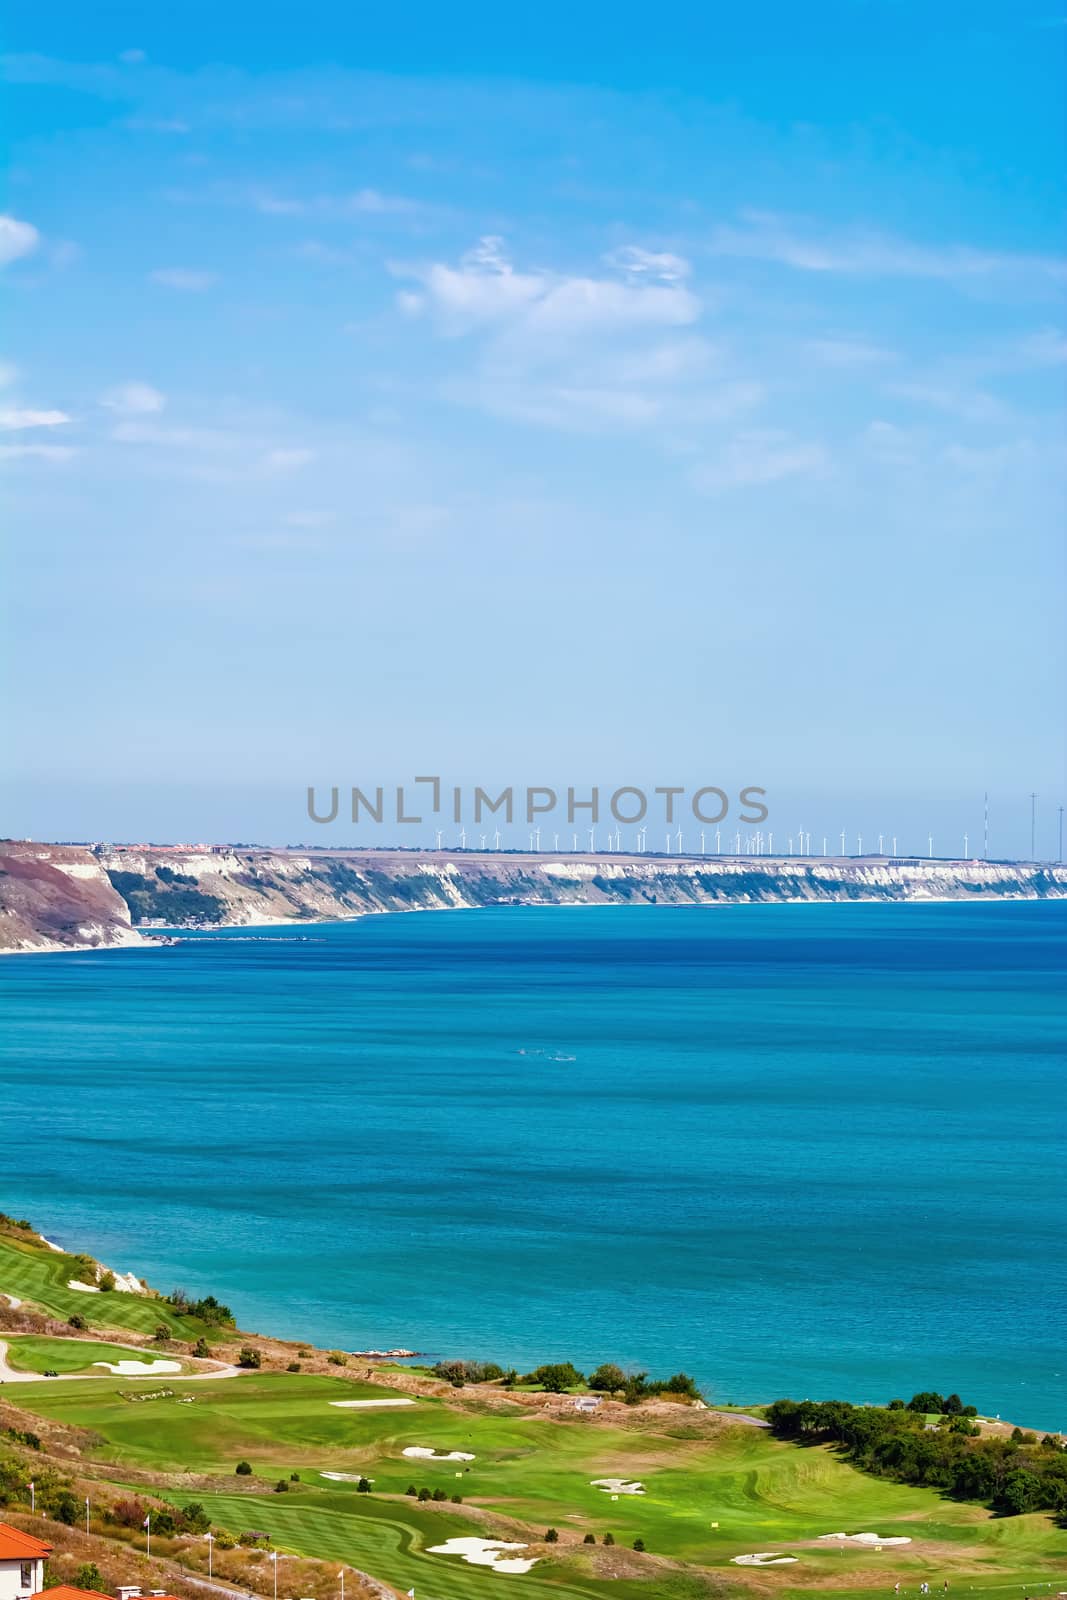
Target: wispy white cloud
<point>356,203</point>
<point>15,418</point>
<point>190,280</point>
<point>133,399</point>
<point>760,457</point>
<point>808,247</point>
<point>845,353</point>
<point>17,239</point>
<point>485,289</point>
<point>287,460</point>
<point>37,452</point>
<point>659,265</point>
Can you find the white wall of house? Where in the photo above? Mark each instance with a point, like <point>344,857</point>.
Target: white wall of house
<point>20,1579</point>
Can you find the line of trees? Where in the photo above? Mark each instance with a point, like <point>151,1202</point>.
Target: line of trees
<point>1011,1475</point>
<point>557,1377</point>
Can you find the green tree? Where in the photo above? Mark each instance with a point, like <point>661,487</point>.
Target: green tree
<point>590,1538</point>
<point>609,1538</point>
<point>639,1544</point>
<point>363,1486</point>
<point>249,1357</point>
<point>608,1377</point>
<point>88,1577</point>
<point>557,1377</point>
<point>243,1469</point>
<point>551,1536</point>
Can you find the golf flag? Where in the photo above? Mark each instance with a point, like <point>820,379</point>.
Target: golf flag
<point>146,1521</point>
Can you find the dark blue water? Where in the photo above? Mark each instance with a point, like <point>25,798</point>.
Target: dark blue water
<point>799,1149</point>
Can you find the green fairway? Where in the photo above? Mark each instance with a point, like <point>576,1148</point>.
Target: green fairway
<point>761,1492</point>
<point>32,1272</point>
<point>30,1353</point>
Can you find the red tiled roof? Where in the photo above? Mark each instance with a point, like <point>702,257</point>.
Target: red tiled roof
<point>18,1546</point>
<point>66,1591</point>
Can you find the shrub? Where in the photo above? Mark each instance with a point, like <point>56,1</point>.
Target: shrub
<point>294,1366</point>
<point>201,1348</point>
<point>639,1544</point>
<point>294,1477</point>
<point>106,1281</point>
<point>88,1577</point>
<point>65,1508</point>
<point>551,1536</point>
<point>194,1519</point>
<point>557,1377</point>
<point>78,1322</point>
<point>363,1486</point>
<point>282,1486</point>
<point>424,1494</point>
<point>411,1490</point>
<point>249,1357</point>
<point>608,1377</point>
<point>590,1538</point>
<point>162,1333</point>
<point>337,1358</point>
<point>457,1499</point>
<point>609,1538</point>
<point>243,1469</point>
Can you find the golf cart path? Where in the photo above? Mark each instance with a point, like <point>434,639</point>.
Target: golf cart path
<point>9,1374</point>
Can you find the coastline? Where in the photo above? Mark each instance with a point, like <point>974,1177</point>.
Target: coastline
<point>166,937</point>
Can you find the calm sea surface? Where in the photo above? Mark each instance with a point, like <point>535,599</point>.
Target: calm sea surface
<point>805,1150</point>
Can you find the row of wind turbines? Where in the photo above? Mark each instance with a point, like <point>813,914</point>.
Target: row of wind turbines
<point>744,844</point>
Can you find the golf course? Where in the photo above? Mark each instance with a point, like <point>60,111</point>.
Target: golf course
<point>704,1488</point>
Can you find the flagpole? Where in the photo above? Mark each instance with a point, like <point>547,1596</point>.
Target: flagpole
<point>148,1534</point>
<point>87,1513</point>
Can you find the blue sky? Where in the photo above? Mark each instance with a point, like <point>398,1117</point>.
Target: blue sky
<point>584,397</point>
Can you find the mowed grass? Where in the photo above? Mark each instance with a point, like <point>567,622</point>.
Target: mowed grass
<point>34,1273</point>
<point>31,1353</point>
<point>761,1492</point>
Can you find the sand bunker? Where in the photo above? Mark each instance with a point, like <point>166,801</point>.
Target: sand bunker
<point>762,1558</point>
<point>618,1485</point>
<point>485,1553</point>
<point>346,1477</point>
<point>12,1299</point>
<point>82,1288</point>
<point>139,1369</point>
<point>863,1538</point>
<point>355,1405</point>
<point>424,1454</point>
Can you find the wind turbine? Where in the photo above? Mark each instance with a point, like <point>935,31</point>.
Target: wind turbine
<point>537,836</point>
<point>592,841</point>
<point>702,842</point>
<point>842,841</point>
<point>965,847</point>
<point>483,841</point>
<point>679,838</point>
<point>894,844</point>
<point>859,844</point>
<point>555,841</point>
<point>718,838</point>
<point>496,840</point>
<point>930,843</point>
<point>824,844</point>
<point>463,838</point>
<point>737,844</point>
<point>881,852</point>
<point>668,842</point>
<point>439,838</point>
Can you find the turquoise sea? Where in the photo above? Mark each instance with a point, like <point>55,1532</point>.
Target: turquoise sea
<point>805,1150</point>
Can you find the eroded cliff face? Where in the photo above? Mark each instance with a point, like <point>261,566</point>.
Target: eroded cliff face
<point>59,897</point>
<point>54,897</point>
